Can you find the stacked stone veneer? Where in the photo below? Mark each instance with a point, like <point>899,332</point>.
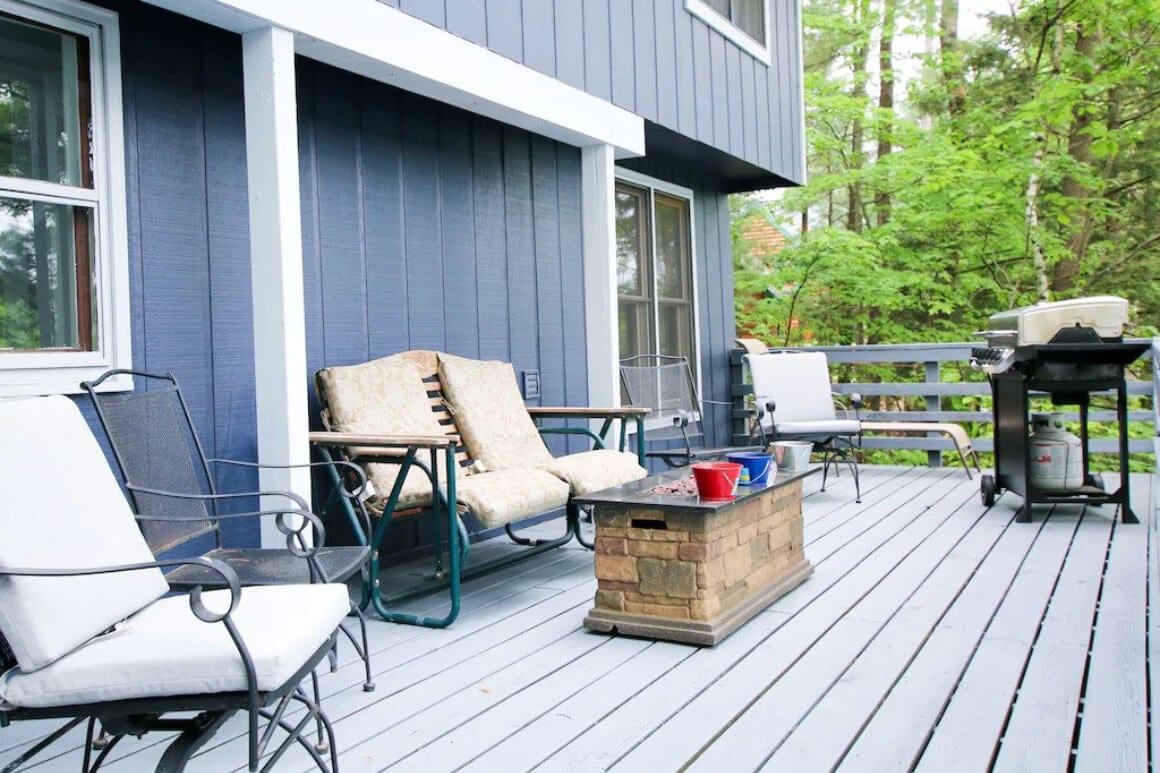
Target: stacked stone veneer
<point>695,565</point>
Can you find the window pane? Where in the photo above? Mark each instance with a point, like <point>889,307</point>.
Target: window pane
<point>635,328</point>
<point>720,6</point>
<point>672,248</point>
<point>677,329</point>
<point>631,241</point>
<point>44,250</point>
<point>749,17</point>
<point>44,104</point>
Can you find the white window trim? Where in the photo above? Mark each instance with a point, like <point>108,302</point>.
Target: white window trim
<point>663,186</point>
<point>754,48</point>
<point>40,373</point>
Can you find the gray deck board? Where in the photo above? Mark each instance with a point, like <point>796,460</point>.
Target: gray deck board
<point>935,634</point>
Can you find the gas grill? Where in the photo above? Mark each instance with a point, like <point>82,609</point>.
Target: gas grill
<point>1066,350</point>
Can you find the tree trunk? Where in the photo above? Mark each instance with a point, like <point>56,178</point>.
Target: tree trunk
<point>858,61</point>
<point>1079,147</point>
<point>1038,259</point>
<point>952,63</point>
<point>885,105</point>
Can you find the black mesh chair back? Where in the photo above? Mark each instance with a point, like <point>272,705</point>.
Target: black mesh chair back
<point>153,440</point>
<point>664,383</point>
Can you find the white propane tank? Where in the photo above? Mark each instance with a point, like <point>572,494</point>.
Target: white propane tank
<point>1056,455</point>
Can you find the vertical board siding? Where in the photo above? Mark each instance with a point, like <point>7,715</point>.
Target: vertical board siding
<point>505,26</point>
<point>421,226</point>
<point>521,259</point>
<point>645,58</point>
<point>490,242</point>
<point>572,282</point>
<point>657,59</point>
<point>460,304</point>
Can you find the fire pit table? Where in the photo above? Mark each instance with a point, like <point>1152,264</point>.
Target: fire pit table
<point>686,569</point>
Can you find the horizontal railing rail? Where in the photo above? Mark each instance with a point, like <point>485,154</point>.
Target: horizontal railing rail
<point>933,389</point>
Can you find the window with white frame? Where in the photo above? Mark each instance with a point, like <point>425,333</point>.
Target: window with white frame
<point>745,22</point>
<point>63,254</point>
<point>654,270</point>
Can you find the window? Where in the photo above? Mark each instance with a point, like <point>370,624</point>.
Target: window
<point>654,270</point>
<point>63,261</point>
<point>745,22</point>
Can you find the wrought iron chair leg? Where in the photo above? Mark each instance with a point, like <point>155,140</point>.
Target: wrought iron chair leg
<point>321,744</point>
<point>574,523</point>
<point>48,741</point>
<point>360,645</point>
<point>179,752</point>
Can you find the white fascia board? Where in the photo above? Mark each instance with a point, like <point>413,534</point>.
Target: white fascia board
<point>374,40</point>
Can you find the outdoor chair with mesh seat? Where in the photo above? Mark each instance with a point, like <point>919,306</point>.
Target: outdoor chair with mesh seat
<point>674,428</point>
<point>167,475</point>
<point>794,401</point>
<point>91,633</point>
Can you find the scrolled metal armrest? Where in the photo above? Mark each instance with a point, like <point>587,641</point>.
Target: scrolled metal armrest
<point>358,471</point>
<point>229,576</point>
<point>301,550</point>
<point>297,500</point>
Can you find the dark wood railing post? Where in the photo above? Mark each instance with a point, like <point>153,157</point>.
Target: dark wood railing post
<point>934,405</point>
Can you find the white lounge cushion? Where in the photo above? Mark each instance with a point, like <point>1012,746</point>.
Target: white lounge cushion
<point>834,427</point>
<point>590,471</point>
<point>797,382</point>
<point>499,497</point>
<point>166,650</point>
<point>490,413</point>
<point>63,509</point>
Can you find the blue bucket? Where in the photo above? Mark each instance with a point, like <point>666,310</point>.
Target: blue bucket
<point>755,467</point>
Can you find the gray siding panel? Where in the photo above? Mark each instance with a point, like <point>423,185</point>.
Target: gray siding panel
<point>569,21</point>
<point>645,58</point>
<point>549,295</point>
<point>460,307</point>
<point>623,68</point>
<point>597,49</point>
<point>468,20</point>
<point>539,29</point>
<point>655,58</point>
<point>666,69</point>
<point>572,279</point>
<point>421,225</point>
<point>491,242</point>
<point>505,28</point>
<point>521,258</point>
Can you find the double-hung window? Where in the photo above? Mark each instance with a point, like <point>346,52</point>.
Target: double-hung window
<point>654,269</point>
<point>63,261</point>
<point>745,22</point>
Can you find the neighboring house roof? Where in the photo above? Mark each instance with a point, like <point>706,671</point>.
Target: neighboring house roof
<point>764,237</point>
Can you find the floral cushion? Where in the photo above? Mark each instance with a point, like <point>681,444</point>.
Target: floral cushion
<point>595,470</point>
<point>502,496</point>
<point>490,414</point>
<point>386,396</point>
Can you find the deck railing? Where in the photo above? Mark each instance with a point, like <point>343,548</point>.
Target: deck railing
<point>931,388</point>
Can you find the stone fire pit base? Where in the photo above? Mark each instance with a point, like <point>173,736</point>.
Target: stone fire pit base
<point>695,631</point>
<point>690,570</point>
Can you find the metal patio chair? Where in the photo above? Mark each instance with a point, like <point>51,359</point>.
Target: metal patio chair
<point>664,384</point>
<point>167,473</point>
<point>794,401</point>
<point>92,634</point>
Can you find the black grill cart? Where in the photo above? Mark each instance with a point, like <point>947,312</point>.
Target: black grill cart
<point>1069,372</point>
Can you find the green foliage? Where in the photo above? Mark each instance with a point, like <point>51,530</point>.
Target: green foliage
<point>1043,136</point>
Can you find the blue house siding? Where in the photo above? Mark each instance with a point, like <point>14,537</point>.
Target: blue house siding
<point>656,59</point>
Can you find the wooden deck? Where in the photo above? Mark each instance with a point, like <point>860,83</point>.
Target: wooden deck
<point>935,635</point>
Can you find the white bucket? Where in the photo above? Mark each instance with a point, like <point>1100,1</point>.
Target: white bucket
<point>1056,454</point>
<point>792,456</point>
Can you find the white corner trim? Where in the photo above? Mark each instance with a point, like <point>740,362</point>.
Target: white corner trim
<point>276,266</point>
<point>756,49</point>
<point>372,39</point>
<point>598,224</point>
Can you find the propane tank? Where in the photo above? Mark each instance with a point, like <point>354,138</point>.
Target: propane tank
<point>1056,454</point>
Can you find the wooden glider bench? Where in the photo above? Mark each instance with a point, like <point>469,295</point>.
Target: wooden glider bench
<point>956,433</point>
<point>449,435</point>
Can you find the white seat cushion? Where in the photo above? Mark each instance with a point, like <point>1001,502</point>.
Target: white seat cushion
<point>499,497</point>
<point>165,650</point>
<point>798,383</point>
<point>590,471</point>
<point>834,427</point>
<point>490,413</point>
<point>63,509</point>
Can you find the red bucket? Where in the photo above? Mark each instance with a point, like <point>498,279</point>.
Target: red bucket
<point>716,480</point>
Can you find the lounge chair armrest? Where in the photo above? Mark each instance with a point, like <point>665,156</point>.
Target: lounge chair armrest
<point>625,412</point>
<point>227,573</point>
<point>358,439</point>
<point>349,466</point>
